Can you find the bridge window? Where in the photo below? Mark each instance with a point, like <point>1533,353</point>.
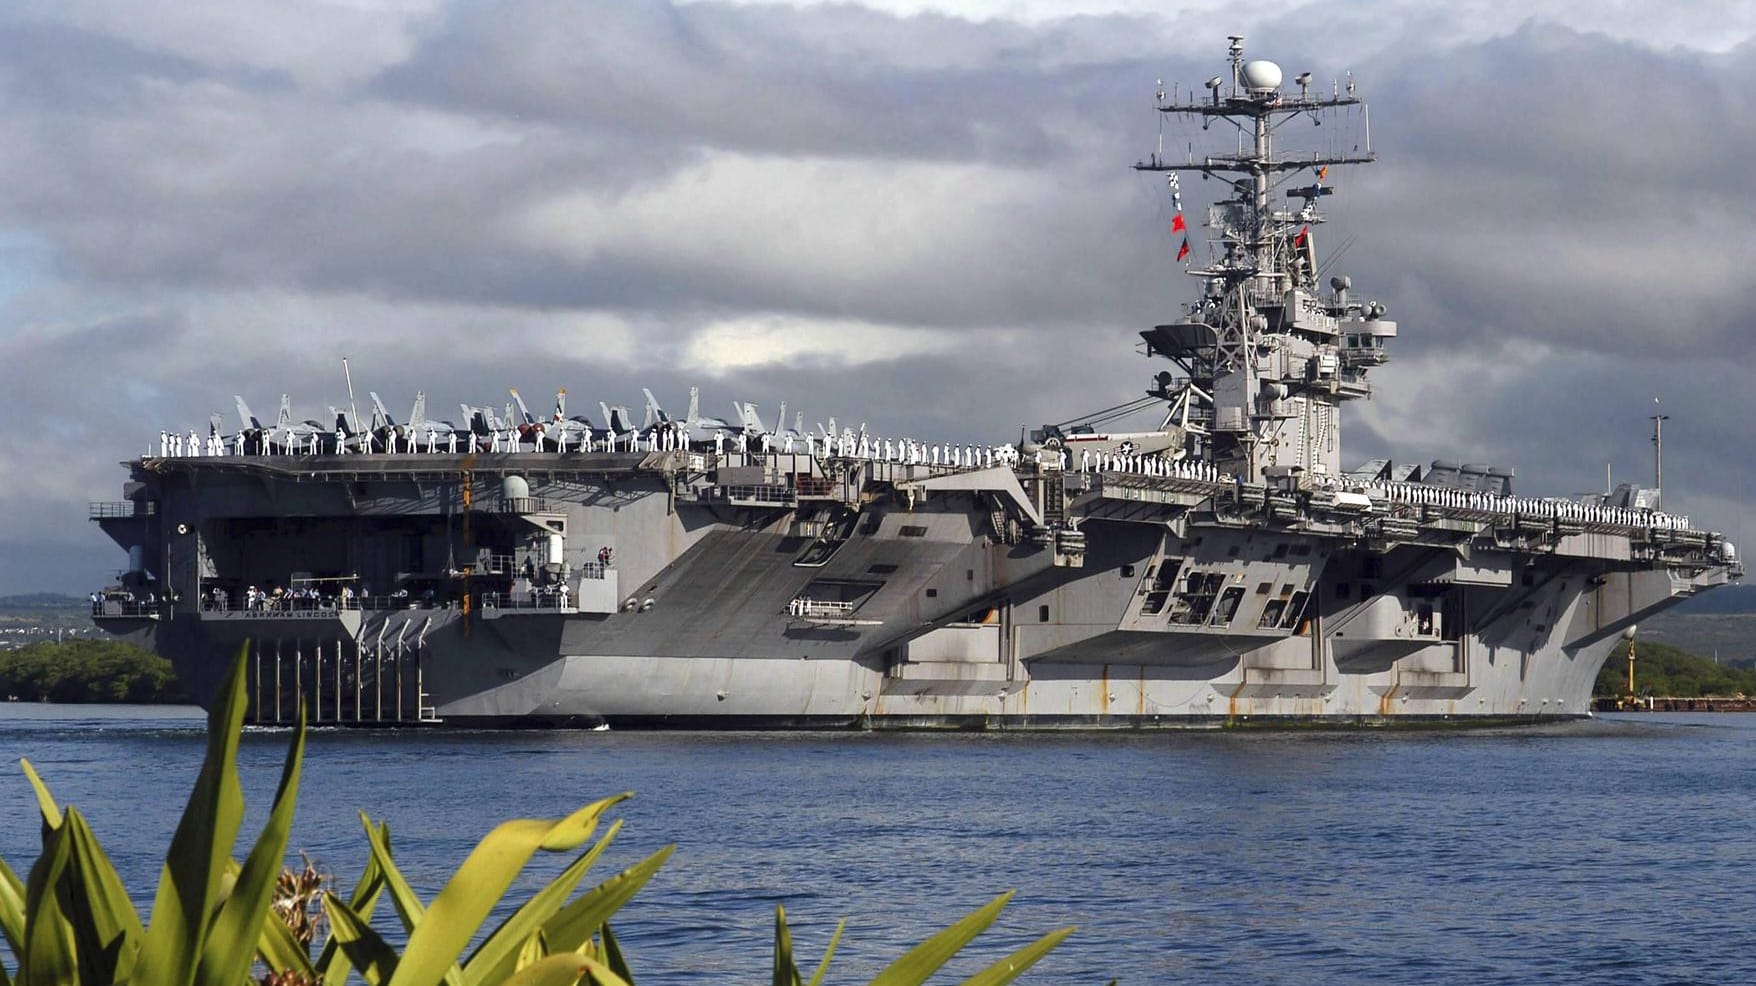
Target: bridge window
<point>1296,611</point>
<point>1228,606</point>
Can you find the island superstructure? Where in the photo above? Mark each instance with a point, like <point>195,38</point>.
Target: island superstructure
<point>1223,567</point>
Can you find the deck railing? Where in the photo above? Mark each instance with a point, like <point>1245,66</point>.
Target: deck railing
<point>126,608</point>
<point>821,608</point>
<point>110,509</point>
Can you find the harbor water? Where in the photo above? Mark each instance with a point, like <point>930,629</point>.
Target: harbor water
<point>1617,850</point>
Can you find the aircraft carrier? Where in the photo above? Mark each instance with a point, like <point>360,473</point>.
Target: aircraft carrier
<point>1221,566</point>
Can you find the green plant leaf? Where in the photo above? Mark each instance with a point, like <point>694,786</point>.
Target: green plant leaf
<point>403,898</point>
<point>50,956</point>
<point>191,882</point>
<point>613,956</point>
<point>1010,967</point>
<point>602,975</point>
<point>574,925</point>
<point>106,925</point>
<point>12,909</point>
<point>45,800</point>
<point>828,953</point>
<point>332,963</point>
<point>533,950</point>
<point>925,959</point>
<point>786,972</point>
<point>555,970</point>
<point>439,938</point>
<point>529,918</point>
<point>280,951</point>
<point>233,935</point>
<point>376,960</point>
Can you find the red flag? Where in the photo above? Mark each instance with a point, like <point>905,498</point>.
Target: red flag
<point>1177,224</point>
<point>1183,251</point>
<point>1299,240</point>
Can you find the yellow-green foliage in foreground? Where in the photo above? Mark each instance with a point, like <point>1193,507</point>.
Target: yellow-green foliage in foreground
<point>71,923</point>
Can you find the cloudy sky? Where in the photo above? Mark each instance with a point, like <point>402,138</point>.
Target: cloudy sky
<point>908,212</point>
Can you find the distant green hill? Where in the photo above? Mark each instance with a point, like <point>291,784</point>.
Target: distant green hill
<point>41,600</point>
<point>1666,671</point>
<point>44,611</point>
<point>1728,638</point>
<point>1725,599</point>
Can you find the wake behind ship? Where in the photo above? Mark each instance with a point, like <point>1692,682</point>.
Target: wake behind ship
<point>1222,567</point>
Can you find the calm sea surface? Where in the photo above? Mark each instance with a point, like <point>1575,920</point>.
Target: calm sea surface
<point>1621,850</point>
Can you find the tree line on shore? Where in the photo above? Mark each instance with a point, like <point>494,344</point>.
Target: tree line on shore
<point>1670,672</point>
<point>86,671</point>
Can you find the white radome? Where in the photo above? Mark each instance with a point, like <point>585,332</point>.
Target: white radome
<point>1261,76</point>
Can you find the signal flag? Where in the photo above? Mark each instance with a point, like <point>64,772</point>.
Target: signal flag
<point>1183,251</point>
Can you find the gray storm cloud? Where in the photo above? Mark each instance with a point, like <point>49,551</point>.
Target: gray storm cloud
<point>914,219</point>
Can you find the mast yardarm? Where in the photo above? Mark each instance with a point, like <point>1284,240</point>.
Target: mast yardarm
<point>1267,355</point>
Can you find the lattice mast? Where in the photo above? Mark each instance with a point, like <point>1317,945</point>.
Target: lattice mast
<point>1267,356</point>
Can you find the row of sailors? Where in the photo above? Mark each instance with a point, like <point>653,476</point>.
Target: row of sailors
<point>304,597</point>
<point>1421,494</point>
<point>174,444</point>
<point>905,451</point>
<point>1149,465</point>
<point>852,445</point>
<point>662,439</point>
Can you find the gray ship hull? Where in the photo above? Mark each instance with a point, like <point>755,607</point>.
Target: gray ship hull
<point>904,597</point>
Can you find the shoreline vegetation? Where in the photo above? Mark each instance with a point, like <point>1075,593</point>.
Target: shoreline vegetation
<point>88,671</point>
<point>1662,671</point>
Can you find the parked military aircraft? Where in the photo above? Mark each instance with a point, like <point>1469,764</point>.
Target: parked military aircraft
<point>1083,438</point>
<point>286,436</point>
<point>571,432</point>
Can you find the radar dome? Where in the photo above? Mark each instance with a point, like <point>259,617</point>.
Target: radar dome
<point>1261,76</point>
